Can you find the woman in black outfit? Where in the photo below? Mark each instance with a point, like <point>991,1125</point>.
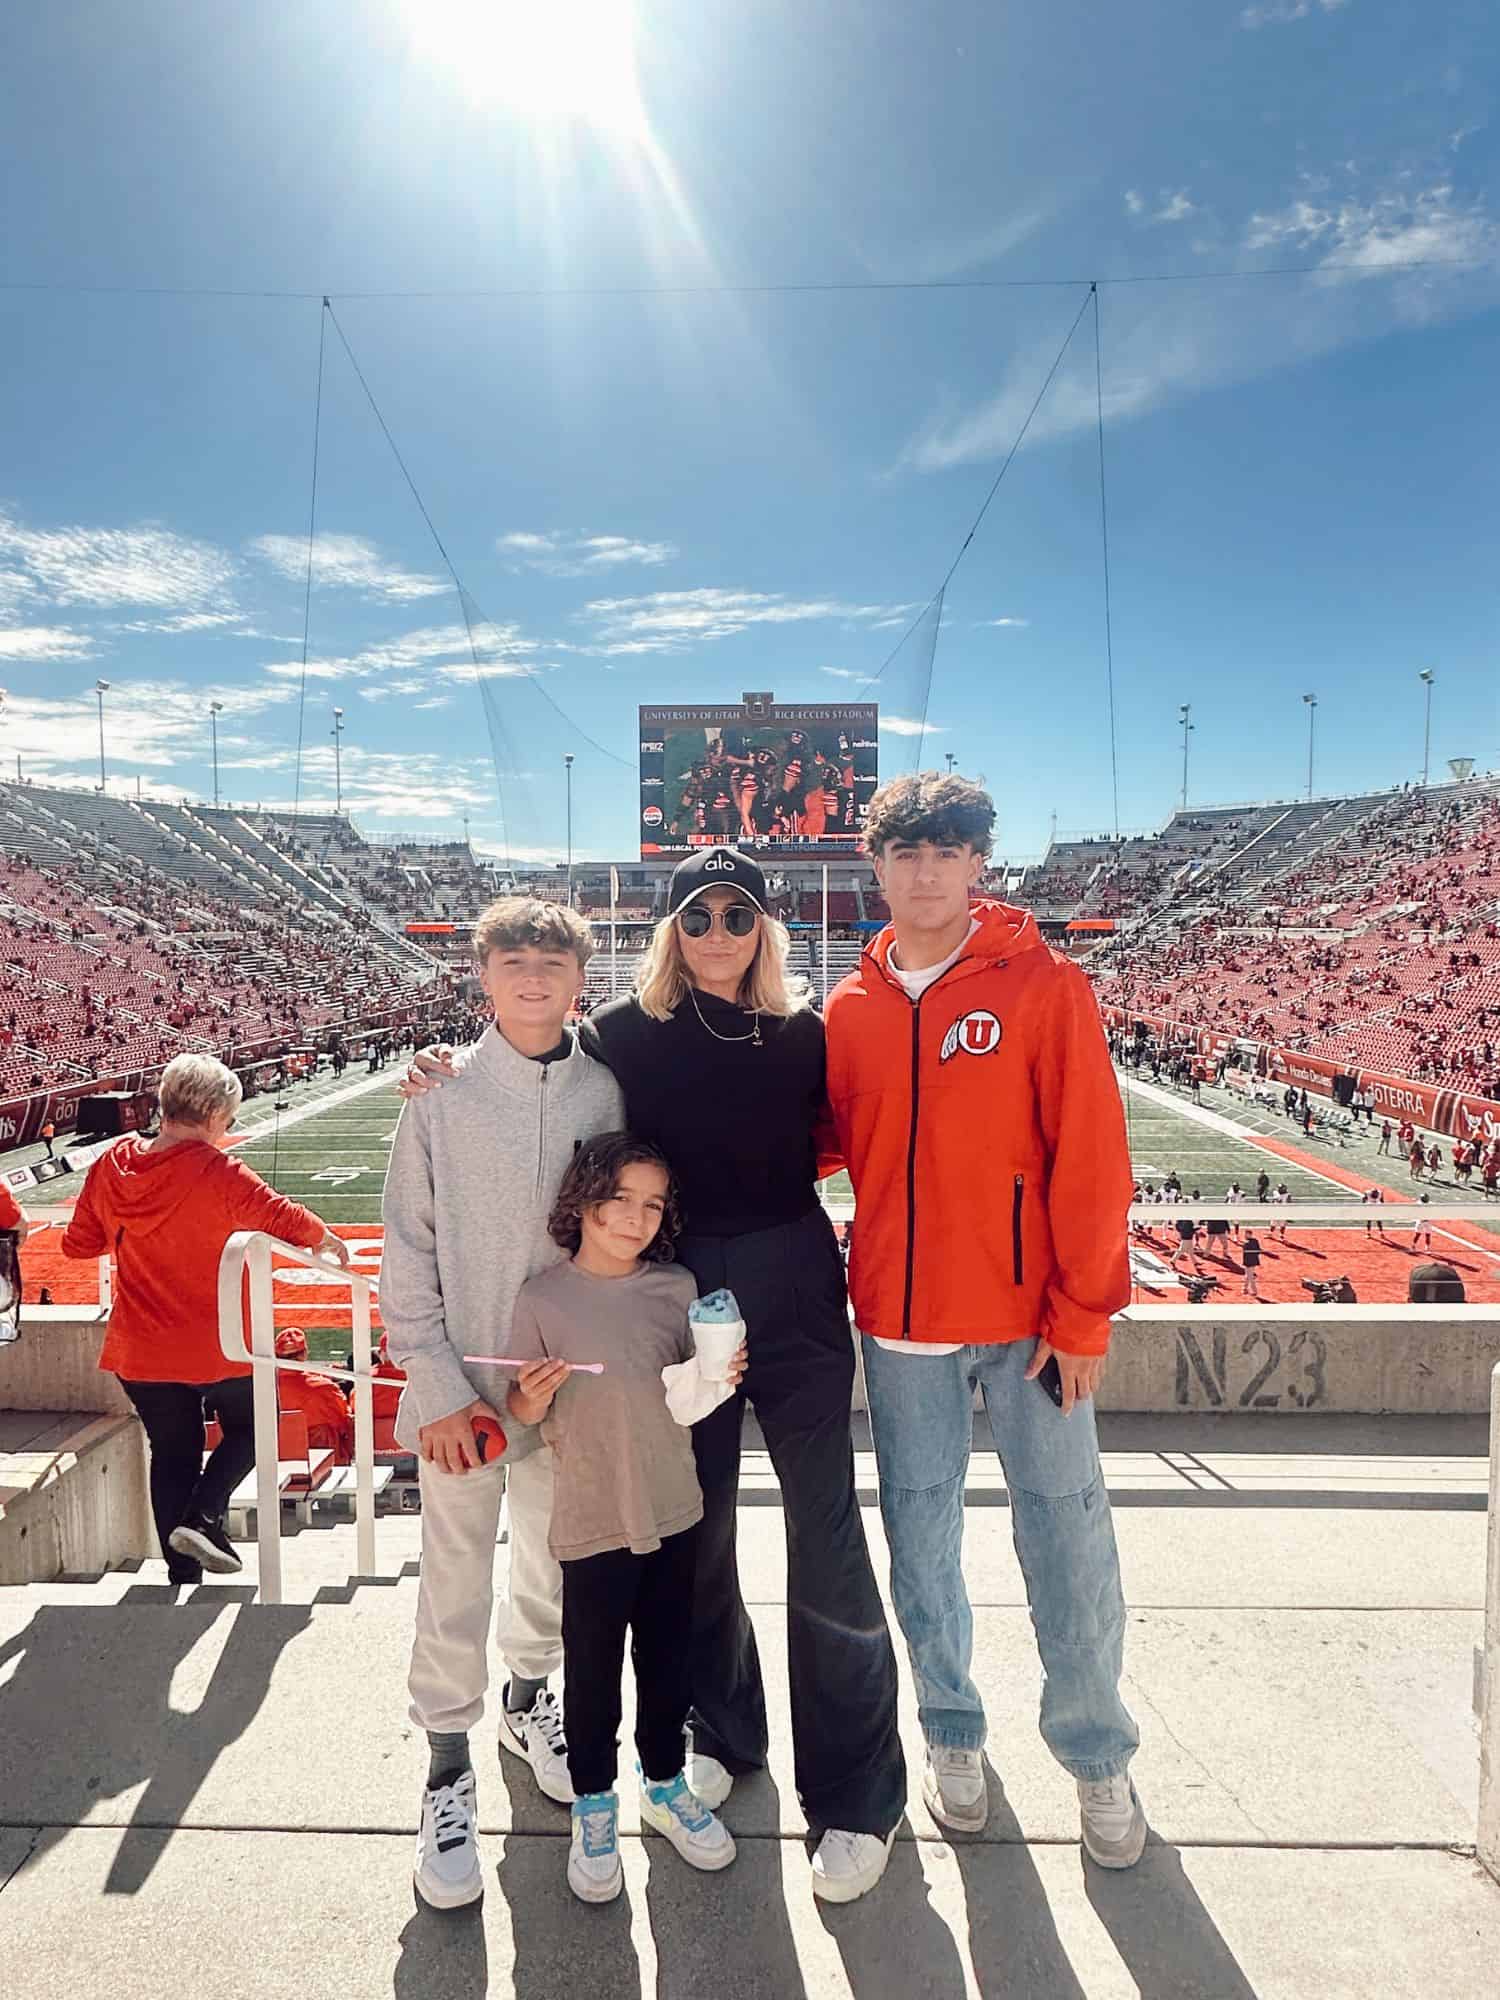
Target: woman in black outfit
<point>723,1069</point>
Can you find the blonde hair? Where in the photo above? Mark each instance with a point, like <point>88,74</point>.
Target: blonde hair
<point>195,1088</point>
<point>516,921</point>
<point>662,983</point>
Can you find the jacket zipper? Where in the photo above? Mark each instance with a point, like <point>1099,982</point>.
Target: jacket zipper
<point>541,1129</point>
<point>911,1144</point>
<point>1015,1226</point>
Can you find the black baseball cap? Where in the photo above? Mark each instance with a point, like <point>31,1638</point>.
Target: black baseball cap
<point>716,868</point>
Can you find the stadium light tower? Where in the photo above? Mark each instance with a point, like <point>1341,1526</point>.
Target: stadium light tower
<point>1427,677</point>
<point>101,689</point>
<point>1187,729</point>
<point>568,769</point>
<point>337,733</point>
<point>1312,716</point>
<point>952,760</point>
<point>215,710</point>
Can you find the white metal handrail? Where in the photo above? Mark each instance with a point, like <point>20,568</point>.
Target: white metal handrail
<point>1489,1700</point>
<point>248,1254</point>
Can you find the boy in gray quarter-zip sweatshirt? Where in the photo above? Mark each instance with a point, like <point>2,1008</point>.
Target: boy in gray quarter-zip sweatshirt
<point>474,1171</point>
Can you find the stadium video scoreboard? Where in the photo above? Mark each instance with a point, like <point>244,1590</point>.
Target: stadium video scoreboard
<point>765,775</point>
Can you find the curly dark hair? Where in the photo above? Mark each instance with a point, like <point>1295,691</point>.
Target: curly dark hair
<point>931,805</point>
<point>593,1178</point>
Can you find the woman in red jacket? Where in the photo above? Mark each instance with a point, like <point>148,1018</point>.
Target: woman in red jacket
<point>164,1208</point>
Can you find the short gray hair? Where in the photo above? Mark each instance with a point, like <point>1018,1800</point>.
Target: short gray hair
<point>194,1087</point>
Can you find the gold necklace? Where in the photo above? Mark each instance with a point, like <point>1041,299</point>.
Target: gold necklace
<point>753,1037</point>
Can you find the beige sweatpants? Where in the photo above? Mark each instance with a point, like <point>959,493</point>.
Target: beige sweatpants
<point>450,1651</point>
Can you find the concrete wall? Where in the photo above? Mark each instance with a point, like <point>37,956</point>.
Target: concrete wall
<point>55,1363</point>
<point>1291,1361</point>
<point>76,1510</point>
<point>85,1506</point>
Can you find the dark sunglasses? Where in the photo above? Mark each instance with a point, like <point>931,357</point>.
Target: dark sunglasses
<point>738,920</point>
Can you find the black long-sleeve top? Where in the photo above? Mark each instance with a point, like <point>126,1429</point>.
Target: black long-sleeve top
<point>735,1121</point>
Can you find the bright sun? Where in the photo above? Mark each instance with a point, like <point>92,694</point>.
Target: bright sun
<point>546,60</point>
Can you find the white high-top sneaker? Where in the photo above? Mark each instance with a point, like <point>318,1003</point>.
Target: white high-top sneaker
<point>1114,1820</point>
<point>953,1786</point>
<point>447,1871</point>
<point>536,1733</point>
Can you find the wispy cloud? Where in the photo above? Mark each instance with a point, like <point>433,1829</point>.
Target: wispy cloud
<point>149,725</point>
<point>1161,349</point>
<point>186,621</point>
<point>45,642</point>
<point>844,673</point>
<point>410,651</point>
<point>392,784</point>
<point>559,553</point>
<point>1277,13</point>
<point>347,562</point>
<point>435,701</point>
<point>392,689</point>
<point>1014,623</point>
<point>668,620</point>
<point>951,255</point>
<point>905,725</point>
<point>1174,205</point>
<point>144,565</point>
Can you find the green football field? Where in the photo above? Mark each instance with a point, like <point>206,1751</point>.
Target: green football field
<point>332,1156</point>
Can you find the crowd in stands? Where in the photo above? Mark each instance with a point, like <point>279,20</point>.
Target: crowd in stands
<point>1402,975</point>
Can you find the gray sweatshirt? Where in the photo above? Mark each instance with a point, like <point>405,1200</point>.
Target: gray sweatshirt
<point>474,1170</point>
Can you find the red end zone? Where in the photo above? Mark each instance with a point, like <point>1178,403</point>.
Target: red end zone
<point>302,1297</point>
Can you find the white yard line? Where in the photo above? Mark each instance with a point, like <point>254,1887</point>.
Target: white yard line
<point>366,1086</point>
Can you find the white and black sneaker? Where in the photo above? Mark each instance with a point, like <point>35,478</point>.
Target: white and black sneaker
<point>536,1734</point>
<point>206,1542</point>
<point>447,1871</point>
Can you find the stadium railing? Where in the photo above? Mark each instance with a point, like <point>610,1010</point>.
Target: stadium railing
<point>245,1267</point>
<point>1489,1698</point>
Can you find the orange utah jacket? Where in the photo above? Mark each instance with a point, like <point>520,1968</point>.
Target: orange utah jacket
<point>983,1131</point>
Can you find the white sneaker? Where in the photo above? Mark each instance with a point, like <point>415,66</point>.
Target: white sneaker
<point>536,1733</point>
<point>953,1786</point>
<point>847,1865</point>
<point>1114,1820</point>
<point>702,1841</point>
<point>447,1871</point>
<point>594,1871</point>
<point>707,1780</point>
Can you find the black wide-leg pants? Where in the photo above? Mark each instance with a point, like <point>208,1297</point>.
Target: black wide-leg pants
<point>849,1767</point>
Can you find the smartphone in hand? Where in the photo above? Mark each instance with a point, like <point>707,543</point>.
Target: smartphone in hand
<point>1051,1380</point>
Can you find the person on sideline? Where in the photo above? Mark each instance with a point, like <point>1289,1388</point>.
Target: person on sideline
<point>164,1208</point>
<point>715,1025</point>
<point>976,1108</point>
<point>474,1172</point>
<point>627,1506</point>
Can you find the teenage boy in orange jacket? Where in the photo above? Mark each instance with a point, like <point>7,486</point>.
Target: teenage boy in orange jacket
<point>975,1105</point>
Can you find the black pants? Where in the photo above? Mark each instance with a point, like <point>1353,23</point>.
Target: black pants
<point>652,1596</point>
<point>849,1767</point>
<point>181,1484</point>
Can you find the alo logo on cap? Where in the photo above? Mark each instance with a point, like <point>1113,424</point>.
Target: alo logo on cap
<point>975,1034</point>
<point>719,864</point>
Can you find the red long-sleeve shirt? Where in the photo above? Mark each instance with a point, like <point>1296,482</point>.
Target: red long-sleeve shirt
<point>165,1215</point>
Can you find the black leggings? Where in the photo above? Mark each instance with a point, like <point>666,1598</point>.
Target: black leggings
<point>181,1484</point>
<point>847,1755</point>
<point>651,1597</point>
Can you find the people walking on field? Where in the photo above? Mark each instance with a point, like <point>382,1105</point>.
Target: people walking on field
<point>1371,1198</point>
<point>1417,1159</point>
<point>496,1141</point>
<point>1434,1160</point>
<point>1250,1259</point>
<point>963,1054</point>
<point>1282,1198</point>
<point>1386,1134</point>
<point>1421,1236</point>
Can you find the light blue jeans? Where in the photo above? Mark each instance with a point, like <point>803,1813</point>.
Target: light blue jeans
<point>921,1414</point>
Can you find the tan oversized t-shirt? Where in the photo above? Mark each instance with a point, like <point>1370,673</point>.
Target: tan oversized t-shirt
<point>625,1472</point>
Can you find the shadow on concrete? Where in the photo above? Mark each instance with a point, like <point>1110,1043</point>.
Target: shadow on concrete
<point>444,1955</point>
<point>1158,1924</point>
<point>1013,1940</point>
<point>559,1945</point>
<point>87,1715</point>
<point>726,1934</point>
<point>893,1941</point>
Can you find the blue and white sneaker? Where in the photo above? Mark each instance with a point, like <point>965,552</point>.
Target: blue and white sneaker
<point>594,1871</point>
<point>701,1840</point>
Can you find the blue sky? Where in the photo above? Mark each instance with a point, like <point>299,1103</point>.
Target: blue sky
<point>661,490</point>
